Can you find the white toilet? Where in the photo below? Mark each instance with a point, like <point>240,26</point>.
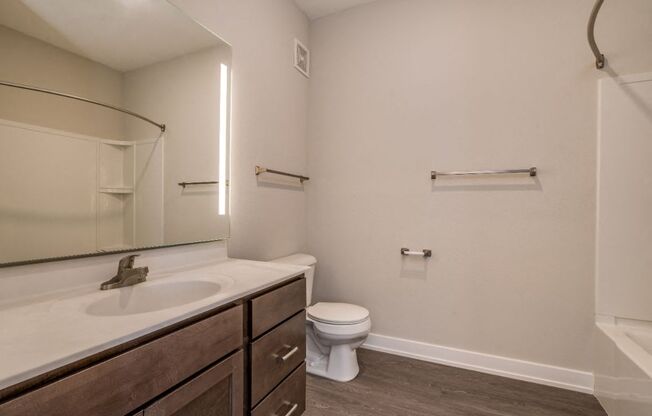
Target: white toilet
<point>334,331</point>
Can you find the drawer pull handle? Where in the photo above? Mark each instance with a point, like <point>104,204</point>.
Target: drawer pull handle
<point>291,411</point>
<point>288,355</point>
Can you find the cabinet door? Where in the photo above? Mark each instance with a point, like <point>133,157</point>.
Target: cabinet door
<point>217,391</point>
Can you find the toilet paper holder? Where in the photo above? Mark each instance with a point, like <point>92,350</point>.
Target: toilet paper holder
<point>425,252</point>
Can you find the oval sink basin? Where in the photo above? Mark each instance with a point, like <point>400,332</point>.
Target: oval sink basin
<point>149,298</point>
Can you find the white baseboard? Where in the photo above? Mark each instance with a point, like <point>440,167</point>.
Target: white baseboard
<point>549,375</point>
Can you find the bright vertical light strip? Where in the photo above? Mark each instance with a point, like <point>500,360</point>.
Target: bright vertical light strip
<point>224,94</point>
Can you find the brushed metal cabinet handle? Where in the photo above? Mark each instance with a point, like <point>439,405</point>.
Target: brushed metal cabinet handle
<point>293,409</point>
<point>288,355</point>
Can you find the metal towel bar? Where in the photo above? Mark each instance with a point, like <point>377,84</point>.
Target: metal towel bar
<point>531,171</point>
<point>184,184</point>
<point>260,170</point>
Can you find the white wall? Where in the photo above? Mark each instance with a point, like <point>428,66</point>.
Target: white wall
<point>402,87</point>
<point>269,113</point>
<point>624,263</point>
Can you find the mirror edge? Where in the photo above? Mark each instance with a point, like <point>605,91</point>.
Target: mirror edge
<point>104,253</point>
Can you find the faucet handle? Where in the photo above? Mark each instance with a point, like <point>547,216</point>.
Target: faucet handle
<point>127,262</point>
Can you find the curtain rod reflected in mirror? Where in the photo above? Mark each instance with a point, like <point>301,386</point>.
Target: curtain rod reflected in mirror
<point>86,100</point>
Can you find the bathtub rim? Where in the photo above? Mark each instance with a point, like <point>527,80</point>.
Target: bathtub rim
<point>617,330</point>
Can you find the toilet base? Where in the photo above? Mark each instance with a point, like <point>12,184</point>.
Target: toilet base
<point>340,364</point>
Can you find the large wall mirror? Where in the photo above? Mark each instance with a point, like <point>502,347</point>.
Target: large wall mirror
<point>78,178</point>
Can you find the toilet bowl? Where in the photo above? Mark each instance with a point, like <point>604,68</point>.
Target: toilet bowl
<point>334,331</point>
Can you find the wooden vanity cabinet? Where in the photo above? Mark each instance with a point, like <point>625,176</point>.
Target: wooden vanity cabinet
<point>246,358</point>
<point>277,351</point>
<point>121,384</point>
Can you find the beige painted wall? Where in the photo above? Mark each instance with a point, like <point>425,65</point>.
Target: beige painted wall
<point>185,92</point>
<point>402,87</point>
<point>269,113</point>
<point>27,60</point>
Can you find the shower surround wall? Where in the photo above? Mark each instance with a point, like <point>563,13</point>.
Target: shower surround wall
<point>623,344</point>
<point>402,87</point>
<point>624,286</point>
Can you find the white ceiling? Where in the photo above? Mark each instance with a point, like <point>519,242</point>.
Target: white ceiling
<point>320,8</point>
<point>122,34</point>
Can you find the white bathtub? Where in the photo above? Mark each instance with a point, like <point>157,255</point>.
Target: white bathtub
<point>623,367</point>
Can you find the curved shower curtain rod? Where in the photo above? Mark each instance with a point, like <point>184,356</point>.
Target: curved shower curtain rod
<point>599,57</point>
<point>86,100</point>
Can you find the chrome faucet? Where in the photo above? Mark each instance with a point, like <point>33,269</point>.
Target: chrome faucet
<point>127,275</point>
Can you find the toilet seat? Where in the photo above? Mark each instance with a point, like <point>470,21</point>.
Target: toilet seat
<point>334,331</point>
<point>337,313</point>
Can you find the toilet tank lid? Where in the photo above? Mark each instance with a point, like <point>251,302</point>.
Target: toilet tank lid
<point>299,259</point>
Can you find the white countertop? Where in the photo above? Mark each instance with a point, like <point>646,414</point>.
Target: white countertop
<point>49,332</point>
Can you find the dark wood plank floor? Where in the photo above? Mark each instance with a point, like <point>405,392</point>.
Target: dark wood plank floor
<point>395,386</point>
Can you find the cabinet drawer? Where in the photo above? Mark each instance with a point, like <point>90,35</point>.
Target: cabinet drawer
<point>274,307</point>
<point>276,355</point>
<point>123,383</point>
<point>288,399</point>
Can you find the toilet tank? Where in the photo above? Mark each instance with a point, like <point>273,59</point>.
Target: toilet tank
<point>301,259</point>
